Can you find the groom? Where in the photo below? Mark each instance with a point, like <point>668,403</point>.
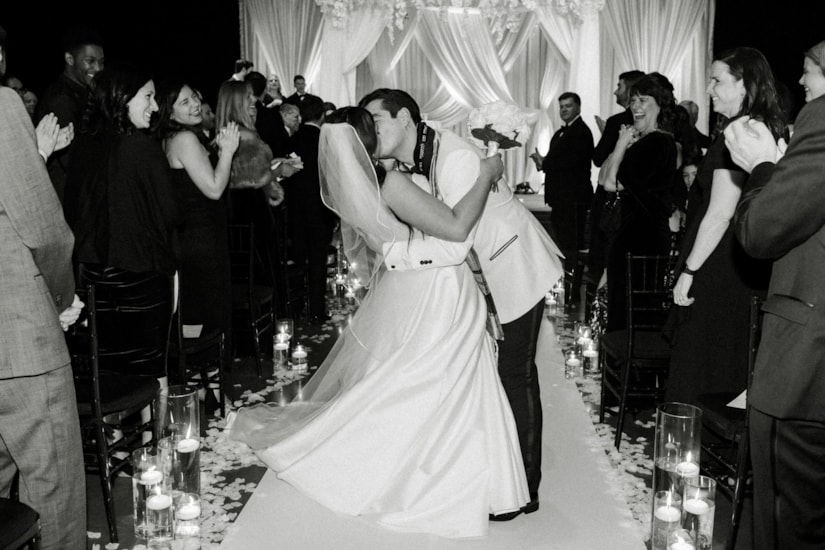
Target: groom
<point>517,257</point>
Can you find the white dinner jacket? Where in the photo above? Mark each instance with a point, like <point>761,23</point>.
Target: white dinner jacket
<point>518,258</point>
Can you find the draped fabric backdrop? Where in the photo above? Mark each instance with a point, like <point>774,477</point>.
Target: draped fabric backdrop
<point>451,60</point>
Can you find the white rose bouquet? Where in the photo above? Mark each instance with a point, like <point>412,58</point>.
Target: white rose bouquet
<point>499,125</point>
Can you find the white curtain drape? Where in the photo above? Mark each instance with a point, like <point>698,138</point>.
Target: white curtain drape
<point>660,35</point>
<point>449,60</point>
<point>342,49</point>
<point>287,39</point>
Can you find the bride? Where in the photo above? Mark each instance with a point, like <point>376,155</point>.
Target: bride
<point>406,421</point>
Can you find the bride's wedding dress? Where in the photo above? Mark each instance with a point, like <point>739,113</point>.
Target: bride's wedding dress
<point>406,422</point>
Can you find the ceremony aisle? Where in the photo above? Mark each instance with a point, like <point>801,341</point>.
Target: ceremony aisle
<point>582,501</point>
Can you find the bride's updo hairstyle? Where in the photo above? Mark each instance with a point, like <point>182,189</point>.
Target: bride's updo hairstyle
<point>361,120</point>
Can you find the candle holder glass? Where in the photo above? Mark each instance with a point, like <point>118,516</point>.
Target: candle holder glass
<point>280,354</point>
<point>299,360</point>
<point>285,326</point>
<point>667,513</point>
<point>677,448</point>
<point>187,517</point>
<point>590,355</point>
<point>178,432</point>
<point>573,363</point>
<point>680,539</point>
<point>698,509</point>
<point>148,480</point>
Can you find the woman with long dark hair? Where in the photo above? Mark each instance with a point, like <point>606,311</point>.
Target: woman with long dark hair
<point>205,286</point>
<point>717,279</point>
<point>120,204</point>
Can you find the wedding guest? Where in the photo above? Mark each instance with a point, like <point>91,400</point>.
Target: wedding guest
<point>68,96</point>
<point>310,222</point>
<point>121,206</point>
<point>781,217</point>
<point>268,122</point>
<point>39,426</point>
<point>640,169</point>
<point>567,186</point>
<point>253,184</point>
<point>702,140</point>
<point>242,68</point>
<point>291,116</point>
<point>597,252</point>
<point>205,286</point>
<point>711,336</point>
<point>273,97</point>
<point>301,93</point>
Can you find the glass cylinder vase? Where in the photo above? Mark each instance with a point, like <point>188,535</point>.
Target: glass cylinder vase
<point>676,452</point>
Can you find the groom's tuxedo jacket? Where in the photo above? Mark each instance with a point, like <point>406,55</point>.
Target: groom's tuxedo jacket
<point>782,215</point>
<point>518,258</point>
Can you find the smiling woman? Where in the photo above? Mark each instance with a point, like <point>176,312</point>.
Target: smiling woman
<point>120,206</point>
<point>205,287</point>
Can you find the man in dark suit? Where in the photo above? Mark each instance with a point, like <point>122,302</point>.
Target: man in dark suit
<point>301,94</point>
<point>567,187</point>
<point>310,223</point>
<point>610,135</point>
<point>39,427</point>
<point>68,95</point>
<point>268,123</point>
<point>781,215</point>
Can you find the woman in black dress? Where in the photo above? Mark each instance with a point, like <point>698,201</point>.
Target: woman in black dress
<point>641,170</point>
<point>710,349</point>
<point>205,287</point>
<point>121,207</point>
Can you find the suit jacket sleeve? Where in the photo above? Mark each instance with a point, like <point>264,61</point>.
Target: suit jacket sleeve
<point>457,172</point>
<point>783,205</point>
<point>607,142</point>
<point>29,202</point>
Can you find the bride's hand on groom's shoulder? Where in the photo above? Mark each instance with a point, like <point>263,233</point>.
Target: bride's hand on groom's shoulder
<point>492,168</point>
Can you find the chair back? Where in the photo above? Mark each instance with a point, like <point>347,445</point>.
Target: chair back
<point>649,292</point>
<point>242,253</point>
<point>82,342</point>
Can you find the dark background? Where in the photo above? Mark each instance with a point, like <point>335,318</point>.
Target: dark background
<point>200,39</point>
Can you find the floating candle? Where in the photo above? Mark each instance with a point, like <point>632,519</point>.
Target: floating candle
<point>187,445</point>
<point>696,506</point>
<point>158,502</point>
<point>188,511</point>
<point>687,469</point>
<point>668,514</point>
<point>151,477</point>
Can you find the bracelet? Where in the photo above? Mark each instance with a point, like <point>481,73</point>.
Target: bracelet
<point>687,270</point>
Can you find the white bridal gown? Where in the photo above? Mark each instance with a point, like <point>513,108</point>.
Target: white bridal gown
<point>407,422</point>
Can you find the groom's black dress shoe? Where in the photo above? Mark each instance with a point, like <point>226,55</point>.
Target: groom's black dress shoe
<point>528,508</point>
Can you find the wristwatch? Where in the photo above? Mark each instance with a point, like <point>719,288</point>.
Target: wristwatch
<point>686,269</point>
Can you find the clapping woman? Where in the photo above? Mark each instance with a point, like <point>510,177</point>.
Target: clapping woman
<point>120,204</point>
<point>640,170</point>
<point>205,287</point>
<point>717,277</point>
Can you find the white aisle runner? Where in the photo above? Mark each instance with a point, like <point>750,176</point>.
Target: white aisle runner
<point>579,510</point>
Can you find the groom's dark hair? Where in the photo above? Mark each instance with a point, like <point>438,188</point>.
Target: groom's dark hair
<point>393,101</point>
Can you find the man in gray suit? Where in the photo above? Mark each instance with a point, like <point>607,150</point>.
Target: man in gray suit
<point>39,429</point>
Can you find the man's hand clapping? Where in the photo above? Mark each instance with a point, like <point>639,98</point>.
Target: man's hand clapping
<point>750,143</point>
<point>51,137</point>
